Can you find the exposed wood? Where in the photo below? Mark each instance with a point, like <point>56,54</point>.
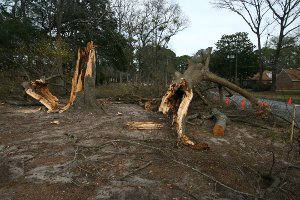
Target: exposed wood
<point>177,99</point>
<point>144,125</point>
<point>83,82</point>
<point>40,91</point>
<point>221,121</point>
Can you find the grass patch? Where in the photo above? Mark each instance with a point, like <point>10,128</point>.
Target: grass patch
<point>279,95</point>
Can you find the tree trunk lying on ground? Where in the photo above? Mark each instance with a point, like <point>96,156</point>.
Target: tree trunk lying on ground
<point>221,121</point>
<point>83,83</point>
<point>180,94</point>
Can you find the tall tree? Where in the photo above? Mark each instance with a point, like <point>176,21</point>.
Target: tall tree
<point>238,53</point>
<point>253,12</point>
<point>286,14</point>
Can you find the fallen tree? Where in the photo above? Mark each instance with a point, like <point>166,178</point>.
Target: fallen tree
<point>180,94</point>
<point>83,83</point>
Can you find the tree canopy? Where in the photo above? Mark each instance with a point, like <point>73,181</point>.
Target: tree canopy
<point>234,57</point>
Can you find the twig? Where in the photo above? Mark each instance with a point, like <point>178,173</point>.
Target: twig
<point>136,170</point>
<point>75,154</point>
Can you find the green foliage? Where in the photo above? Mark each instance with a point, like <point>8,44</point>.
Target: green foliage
<point>13,34</point>
<point>233,52</point>
<point>181,63</point>
<point>258,87</point>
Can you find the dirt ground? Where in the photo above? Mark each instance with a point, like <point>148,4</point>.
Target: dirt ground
<point>87,155</point>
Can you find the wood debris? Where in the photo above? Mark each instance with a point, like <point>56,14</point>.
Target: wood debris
<point>144,125</point>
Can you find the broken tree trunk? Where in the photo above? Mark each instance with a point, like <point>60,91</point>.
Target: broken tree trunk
<point>83,84</point>
<point>180,94</point>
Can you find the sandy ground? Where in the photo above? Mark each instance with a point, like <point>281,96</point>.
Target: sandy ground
<point>87,155</point>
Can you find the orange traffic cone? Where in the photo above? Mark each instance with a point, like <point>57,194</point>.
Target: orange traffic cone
<point>243,103</point>
<point>227,101</point>
<point>290,100</point>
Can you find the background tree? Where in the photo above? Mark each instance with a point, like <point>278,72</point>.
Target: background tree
<point>253,12</point>
<point>149,23</point>
<point>286,15</point>
<point>234,57</point>
<point>61,22</point>
<point>165,60</point>
<point>181,63</point>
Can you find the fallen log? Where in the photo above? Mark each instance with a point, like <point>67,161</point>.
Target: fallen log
<point>180,94</point>
<point>221,121</point>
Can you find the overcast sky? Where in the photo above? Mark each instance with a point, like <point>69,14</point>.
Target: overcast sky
<point>207,25</point>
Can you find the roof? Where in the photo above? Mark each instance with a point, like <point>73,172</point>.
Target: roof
<point>294,74</point>
<point>266,76</point>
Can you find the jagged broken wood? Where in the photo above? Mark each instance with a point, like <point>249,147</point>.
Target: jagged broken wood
<point>39,90</point>
<point>83,84</point>
<point>180,94</point>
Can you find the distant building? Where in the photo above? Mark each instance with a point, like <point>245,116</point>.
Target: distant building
<point>266,77</point>
<point>288,79</point>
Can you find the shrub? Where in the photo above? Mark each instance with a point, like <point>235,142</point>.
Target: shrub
<point>258,87</point>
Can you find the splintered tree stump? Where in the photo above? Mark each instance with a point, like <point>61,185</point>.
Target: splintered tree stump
<point>82,95</point>
<point>180,94</point>
<point>221,121</point>
<point>177,99</point>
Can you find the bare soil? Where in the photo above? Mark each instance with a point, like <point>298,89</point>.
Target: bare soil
<point>92,155</point>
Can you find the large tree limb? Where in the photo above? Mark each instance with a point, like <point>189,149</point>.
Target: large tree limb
<point>209,76</point>
<point>39,90</point>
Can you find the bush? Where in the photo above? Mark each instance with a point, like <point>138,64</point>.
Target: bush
<point>258,87</point>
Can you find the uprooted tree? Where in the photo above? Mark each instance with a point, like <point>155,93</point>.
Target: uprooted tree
<point>83,83</point>
<point>180,94</point>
